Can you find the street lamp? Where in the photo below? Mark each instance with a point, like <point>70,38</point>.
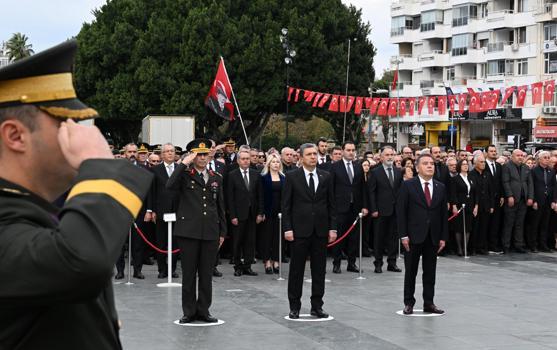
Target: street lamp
<point>290,54</point>
<point>397,61</point>
<point>346,91</point>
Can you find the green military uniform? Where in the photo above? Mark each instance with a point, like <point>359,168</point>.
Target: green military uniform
<point>56,264</point>
<point>199,225</point>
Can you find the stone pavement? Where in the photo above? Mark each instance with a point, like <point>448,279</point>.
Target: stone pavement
<point>496,302</point>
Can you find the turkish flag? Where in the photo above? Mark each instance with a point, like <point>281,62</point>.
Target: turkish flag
<point>421,103</point>
<point>290,91</point>
<point>430,104</point>
<point>323,100</point>
<point>358,105</point>
<point>537,93</point>
<point>462,102</point>
<point>494,99</point>
<point>485,98</point>
<point>549,90</point>
<point>393,107</point>
<point>346,105</point>
<point>521,95</point>
<point>402,103</point>
<point>508,93</point>
<point>309,95</point>
<point>316,99</point>
<point>218,99</point>
<point>452,101</point>
<point>367,101</point>
<point>374,105</point>
<point>441,105</point>
<point>411,105</point>
<point>333,106</point>
<point>383,106</point>
<point>475,103</point>
<point>341,103</point>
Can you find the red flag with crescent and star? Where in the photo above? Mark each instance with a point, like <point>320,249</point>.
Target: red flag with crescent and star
<point>220,93</point>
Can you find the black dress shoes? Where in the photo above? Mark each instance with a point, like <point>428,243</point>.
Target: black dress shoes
<point>393,268</point>
<point>336,268</point>
<point>378,269</point>
<point>119,275</point>
<point>432,309</point>
<point>276,270</point>
<point>520,250</point>
<point>352,268</point>
<point>250,272</point>
<point>138,275</point>
<point>294,314</point>
<point>187,319</point>
<point>269,270</point>
<point>207,319</point>
<point>175,275</point>
<point>238,273</point>
<point>319,313</point>
<point>216,273</point>
<point>162,275</point>
<point>408,310</point>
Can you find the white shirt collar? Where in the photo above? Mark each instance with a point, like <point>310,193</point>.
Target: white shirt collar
<point>307,172</point>
<point>422,181</point>
<point>166,165</point>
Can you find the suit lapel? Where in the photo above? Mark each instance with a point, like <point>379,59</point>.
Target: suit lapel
<point>195,177</point>
<point>420,191</point>
<point>302,176</point>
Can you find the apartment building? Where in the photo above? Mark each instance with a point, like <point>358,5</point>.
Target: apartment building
<point>4,60</point>
<point>477,44</point>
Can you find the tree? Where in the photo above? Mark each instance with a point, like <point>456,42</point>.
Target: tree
<point>18,48</point>
<point>386,81</point>
<point>160,57</point>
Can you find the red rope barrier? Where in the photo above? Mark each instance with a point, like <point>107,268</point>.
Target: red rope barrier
<point>142,235</point>
<point>455,215</point>
<point>338,240</point>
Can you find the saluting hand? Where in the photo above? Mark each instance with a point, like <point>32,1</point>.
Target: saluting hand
<point>81,142</point>
<point>187,159</point>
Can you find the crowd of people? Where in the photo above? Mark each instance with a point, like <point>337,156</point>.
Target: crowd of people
<point>497,203</point>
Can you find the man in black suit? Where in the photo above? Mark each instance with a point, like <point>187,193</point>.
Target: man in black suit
<point>309,222</point>
<point>350,200</point>
<point>163,201</point>
<point>287,157</point>
<point>519,191</point>
<point>384,184</point>
<point>200,228</point>
<point>480,178</point>
<point>494,170</point>
<point>441,170</point>
<point>322,155</point>
<point>244,196</point>
<point>543,179</point>
<point>423,229</point>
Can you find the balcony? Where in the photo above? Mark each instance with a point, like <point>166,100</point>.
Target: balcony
<point>406,62</point>
<point>496,47</point>
<point>471,56</point>
<point>508,50</point>
<point>404,35</point>
<point>434,58</point>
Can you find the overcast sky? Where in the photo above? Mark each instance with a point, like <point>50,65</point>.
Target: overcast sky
<point>49,22</point>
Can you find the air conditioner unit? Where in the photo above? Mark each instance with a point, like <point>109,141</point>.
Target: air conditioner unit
<point>514,47</point>
<point>550,109</point>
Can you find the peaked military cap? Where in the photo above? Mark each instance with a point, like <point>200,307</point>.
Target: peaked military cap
<point>142,149</point>
<point>45,80</point>
<point>229,142</point>
<point>199,146</point>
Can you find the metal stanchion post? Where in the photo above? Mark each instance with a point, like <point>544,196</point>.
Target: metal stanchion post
<point>360,277</point>
<point>280,247</point>
<point>169,218</point>
<point>129,282</point>
<point>464,233</point>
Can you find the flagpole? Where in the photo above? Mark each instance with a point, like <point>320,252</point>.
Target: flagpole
<point>346,93</point>
<point>235,103</point>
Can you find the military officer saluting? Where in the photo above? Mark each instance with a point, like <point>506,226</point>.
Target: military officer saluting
<point>56,264</point>
<point>200,228</point>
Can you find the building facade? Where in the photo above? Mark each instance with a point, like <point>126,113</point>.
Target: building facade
<point>4,60</point>
<point>477,44</point>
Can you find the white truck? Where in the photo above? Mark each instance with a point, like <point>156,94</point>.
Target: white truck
<point>160,129</point>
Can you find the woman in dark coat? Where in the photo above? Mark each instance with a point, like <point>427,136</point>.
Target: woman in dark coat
<point>462,190</point>
<point>273,180</point>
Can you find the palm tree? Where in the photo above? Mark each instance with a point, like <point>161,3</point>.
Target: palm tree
<point>18,48</point>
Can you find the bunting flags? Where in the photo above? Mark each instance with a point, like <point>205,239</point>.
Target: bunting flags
<point>549,90</point>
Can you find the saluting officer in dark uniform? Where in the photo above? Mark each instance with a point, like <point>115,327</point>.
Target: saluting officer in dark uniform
<point>56,264</point>
<point>200,228</point>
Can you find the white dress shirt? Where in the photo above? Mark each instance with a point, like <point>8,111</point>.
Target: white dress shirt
<point>315,178</point>
<point>169,168</point>
<point>489,163</point>
<point>465,178</point>
<point>430,185</point>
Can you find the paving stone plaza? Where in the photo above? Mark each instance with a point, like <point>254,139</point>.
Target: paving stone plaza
<point>491,302</point>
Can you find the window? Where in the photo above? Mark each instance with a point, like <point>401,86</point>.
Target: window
<point>483,10</point>
<point>450,74</point>
<point>550,62</point>
<point>398,24</point>
<point>522,66</point>
<point>460,44</point>
<point>522,6</point>
<point>521,35</point>
<point>500,67</point>
<point>549,31</point>
<point>462,14</point>
<point>429,18</point>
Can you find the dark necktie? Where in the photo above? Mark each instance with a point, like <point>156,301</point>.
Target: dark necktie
<point>246,181</point>
<point>311,184</point>
<point>427,194</point>
<point>493,168</point>
<point>391,179</point>
<point>349,171</point>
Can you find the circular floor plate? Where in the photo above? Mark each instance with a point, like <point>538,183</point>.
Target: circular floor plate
<point>419,313</point>
<point>199,324</point>
<point>309,318</point>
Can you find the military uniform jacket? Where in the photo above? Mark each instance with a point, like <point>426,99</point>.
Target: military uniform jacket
<point>56,265</point>
<point>200,213</point>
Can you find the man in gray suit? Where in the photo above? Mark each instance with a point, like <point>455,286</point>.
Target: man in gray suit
<point>519,193</point>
